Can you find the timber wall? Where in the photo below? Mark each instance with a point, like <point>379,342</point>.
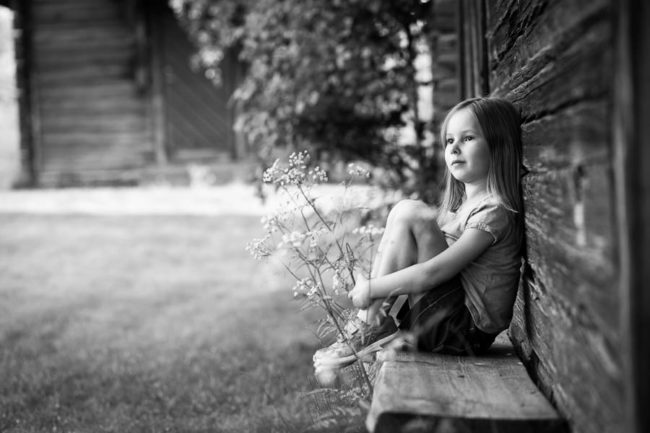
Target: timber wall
<point>89,114</point>
<point>554,60</point>
<point>108,95</point>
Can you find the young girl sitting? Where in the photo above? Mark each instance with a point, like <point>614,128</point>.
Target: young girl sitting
<point>458,266</point>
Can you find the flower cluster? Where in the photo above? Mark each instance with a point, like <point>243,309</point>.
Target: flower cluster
<point>259,247</point>
<point>305,287</point>
<point>356,170</point>
<point>296,173</point>
<point>369,230</point>
<point>317,240</point>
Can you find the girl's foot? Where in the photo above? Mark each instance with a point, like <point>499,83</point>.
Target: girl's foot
<point>362,343</point>
<point>405,342</point>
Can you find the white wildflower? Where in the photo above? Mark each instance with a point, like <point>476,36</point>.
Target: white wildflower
<point>259,248</point>
<point>338,283</point>
<point>369,230</point>
<point>357,170</point>
<point>317,175</point>
<point>293,239</point>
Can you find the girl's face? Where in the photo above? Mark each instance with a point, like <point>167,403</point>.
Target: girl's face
<point>466,151</point>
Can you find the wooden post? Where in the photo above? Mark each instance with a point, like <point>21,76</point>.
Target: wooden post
<point>152,13</point>
<point>473,69</point>
<point>462,63</point>
<point>632,173</point>
<point>29,145</point>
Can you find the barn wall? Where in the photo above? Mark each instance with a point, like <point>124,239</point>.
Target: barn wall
<point>198,114</point>
<point>554,60</point>
<point>90,113</point>
<point>109,96</point>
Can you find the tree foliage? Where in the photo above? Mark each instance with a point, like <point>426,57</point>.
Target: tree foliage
<point>332,76</point>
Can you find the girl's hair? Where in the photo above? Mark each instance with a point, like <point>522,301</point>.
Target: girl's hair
<point>501,127</point>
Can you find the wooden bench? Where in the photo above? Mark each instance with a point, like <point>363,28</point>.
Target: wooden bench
<point>417,392</point>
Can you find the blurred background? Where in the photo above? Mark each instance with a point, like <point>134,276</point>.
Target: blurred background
<point>134,136</point>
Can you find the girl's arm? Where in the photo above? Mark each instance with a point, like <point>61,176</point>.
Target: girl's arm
<point>426,275</point>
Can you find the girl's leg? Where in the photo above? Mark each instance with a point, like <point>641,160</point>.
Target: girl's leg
<point>412,235</point>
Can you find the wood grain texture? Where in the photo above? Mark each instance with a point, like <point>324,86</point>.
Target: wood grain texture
<point>631,113</point>
<point>562,64</point>
<point>91,114</point>
<point>554,61</point>
<point>488,393</point>
<point>197,115</point>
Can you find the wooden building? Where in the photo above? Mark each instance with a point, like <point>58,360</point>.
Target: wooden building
<point>580,73</point>
<point>108,94</point>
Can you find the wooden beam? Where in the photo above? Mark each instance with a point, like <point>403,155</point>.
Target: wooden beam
<point>419,392</point>
<point>631,129</point>
<point>26,100</point>
<point>153,11</point>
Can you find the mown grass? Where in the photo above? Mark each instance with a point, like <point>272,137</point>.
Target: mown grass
<point>151,324</point>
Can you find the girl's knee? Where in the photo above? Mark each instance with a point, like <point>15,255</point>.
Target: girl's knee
<point>412,211</point>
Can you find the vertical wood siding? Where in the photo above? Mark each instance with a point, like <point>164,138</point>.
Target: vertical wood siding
<point>554,61</point>
<point>198,116</point>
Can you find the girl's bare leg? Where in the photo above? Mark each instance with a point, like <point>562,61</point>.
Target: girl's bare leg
<point>412,235</point>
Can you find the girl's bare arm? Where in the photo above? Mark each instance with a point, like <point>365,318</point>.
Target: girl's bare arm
<point>426,275</point>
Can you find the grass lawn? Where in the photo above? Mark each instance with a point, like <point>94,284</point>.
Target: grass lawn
<point>148,324</point>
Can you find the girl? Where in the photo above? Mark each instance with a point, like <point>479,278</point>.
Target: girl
<point>458,267</point>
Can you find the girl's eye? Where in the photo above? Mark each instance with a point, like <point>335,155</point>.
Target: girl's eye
<point>449,141</point>
<point>468,138</point>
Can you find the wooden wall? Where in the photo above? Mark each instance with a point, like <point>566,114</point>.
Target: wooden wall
<point>108,95</point>
<point>445,60</point>
<point>198,115</point>
<point>554,60</point>
<point>89,110</point>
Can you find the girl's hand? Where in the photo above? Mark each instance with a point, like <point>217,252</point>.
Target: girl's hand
<point>360,294</point>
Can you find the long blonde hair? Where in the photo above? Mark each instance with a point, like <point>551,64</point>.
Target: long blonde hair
<point>501,127</point>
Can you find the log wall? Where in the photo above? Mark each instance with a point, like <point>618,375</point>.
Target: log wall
<point>554,60</point>
<point>109,96</point>
<point>89,113</point>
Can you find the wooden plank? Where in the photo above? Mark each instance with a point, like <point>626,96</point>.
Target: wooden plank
<point>78,12</point>
<point>571,137</point>
<point>55,123</point>
<point>631,126</point>
<point>528,32</point>
<point>573,362</point>
<point>48,37</point>
<point>582,72</point>
<point>97,140</point>
<point>78,152</point>
<point>120,176</point>
<point>71,57</point>
<point>92,91</point>
<point>490,393</point>
<point>86,159</point>
<point>86,73</point>
<point>554,60</point>
<point>86,106</point>
<point>73,45</point>
<point>567,63</point>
